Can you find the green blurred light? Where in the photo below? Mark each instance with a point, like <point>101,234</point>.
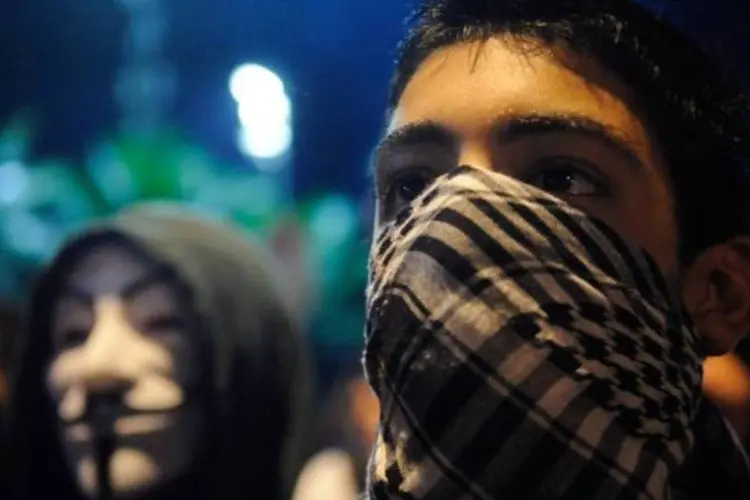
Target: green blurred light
<point>333,221</point>
<point>111,176</point>
<point>14,181</point>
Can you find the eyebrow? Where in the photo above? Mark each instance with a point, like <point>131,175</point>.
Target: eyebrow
<point>510,129</point>
<point>158,276</point>
<point>424,132</point>
<point>523,126</point>
<point>410,135</point>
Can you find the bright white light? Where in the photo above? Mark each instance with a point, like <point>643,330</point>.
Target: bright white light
<point>14,180</point>
<point>264,111</point>
<point>265,142</point>
<point>250,81</point>
<point>270,111</point>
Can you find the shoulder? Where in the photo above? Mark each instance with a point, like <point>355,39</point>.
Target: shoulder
<point>329,475</point>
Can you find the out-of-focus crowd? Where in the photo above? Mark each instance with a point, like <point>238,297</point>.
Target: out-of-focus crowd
<point>163,354</point>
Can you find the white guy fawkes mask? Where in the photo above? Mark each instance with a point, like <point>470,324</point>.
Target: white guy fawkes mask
<point>119,327</point>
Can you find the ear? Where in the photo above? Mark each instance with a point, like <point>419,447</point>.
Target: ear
<point>716,292</point>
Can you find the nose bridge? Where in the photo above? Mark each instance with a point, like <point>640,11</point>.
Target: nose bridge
<point>476,151</point>
<point>103,363</point>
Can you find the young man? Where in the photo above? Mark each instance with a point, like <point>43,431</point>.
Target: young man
<point>538,316</point>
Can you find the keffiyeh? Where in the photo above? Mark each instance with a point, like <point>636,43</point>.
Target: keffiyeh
<point>521,349</point>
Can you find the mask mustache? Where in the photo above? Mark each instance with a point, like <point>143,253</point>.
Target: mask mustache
<point>103,409</point>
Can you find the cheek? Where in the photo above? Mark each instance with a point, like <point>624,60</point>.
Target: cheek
<point>183,356</point>
<point>64,371</point>
<point>62,386</point>
<point>161,384</point>
<point>648,218</point>
<point>642,217</point>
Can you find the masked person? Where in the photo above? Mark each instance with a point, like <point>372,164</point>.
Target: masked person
<point>162,337</point>
<point>561,236</point>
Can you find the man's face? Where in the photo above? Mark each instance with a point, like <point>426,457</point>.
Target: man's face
<point>119,329</point>
<point>544,116</point>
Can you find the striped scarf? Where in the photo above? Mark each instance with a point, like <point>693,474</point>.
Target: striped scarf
<point>521,349</point>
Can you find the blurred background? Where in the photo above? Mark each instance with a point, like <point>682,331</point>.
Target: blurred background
<point>264,111</point>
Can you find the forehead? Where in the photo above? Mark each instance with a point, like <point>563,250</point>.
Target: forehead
<point>108,269</point>
<point>468,88</point>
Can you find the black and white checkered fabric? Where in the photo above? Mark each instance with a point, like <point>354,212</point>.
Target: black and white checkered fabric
<point>521,349</point>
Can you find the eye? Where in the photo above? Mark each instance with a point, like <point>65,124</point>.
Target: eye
<point>404,188</point>
<point>411,186</point>
<point>567,176</point>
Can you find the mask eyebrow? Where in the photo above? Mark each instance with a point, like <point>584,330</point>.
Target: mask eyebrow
<point>518,127</point>
<point>161,275</point>
<point>72,292</point>
<point>158,276</point>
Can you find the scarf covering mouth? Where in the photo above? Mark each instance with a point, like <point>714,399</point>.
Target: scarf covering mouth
<point>521,349</point>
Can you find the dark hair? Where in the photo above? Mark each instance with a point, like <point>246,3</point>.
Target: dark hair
<point>9,323</point>
<point>702,121</point>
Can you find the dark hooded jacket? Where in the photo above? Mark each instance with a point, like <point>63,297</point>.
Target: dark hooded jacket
<point>255,366</point>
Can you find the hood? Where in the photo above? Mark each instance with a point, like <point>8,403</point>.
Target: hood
<point>259,368</point>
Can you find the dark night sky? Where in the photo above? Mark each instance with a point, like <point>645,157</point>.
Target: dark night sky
<point>58,58</point>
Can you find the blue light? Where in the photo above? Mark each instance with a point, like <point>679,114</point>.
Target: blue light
<point>14,181</point>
